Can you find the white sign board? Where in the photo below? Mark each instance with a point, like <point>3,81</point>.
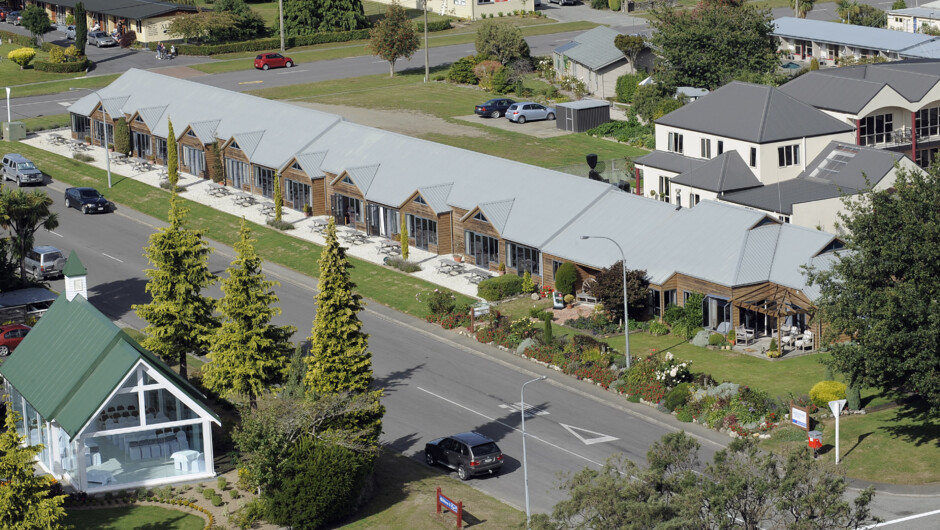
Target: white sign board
<point>799,418</point>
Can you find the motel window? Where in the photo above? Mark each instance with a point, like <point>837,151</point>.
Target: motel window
<point>484,249</point>
<point>706,148</point>
<point>721,147</point>
<point>788,155</point>
<point>694,198</point>
<point>138,119</point>
<point>420,200</point>
<point>234,145</point>
<point>191,133</point>
<point>927,122</point>
<point>480,217</point>
<point>753,161</point>
<point>264,179</point>
<point>522,259</point>
<point>296,165</point>
<point>237,172</point>
<point>875,129</point>
<point>140,26</point>
<point>664,185</point>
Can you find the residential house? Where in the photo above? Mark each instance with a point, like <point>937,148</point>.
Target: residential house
<point>772,133</point>
<point>471,9</point>
<point>109,414</point>
<point>828,41</point>
<point>885,103</point>
<point>592,58</point>
<point>915,19</point>
<point>149,19</point>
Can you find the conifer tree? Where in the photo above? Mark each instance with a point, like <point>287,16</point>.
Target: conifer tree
<point>25,501</point>
<point>172,160</point>
<point>179,318</point>
<point>278,198</point>
<point>404,238</point>
<point>339,359</point>
<point>247,354</point>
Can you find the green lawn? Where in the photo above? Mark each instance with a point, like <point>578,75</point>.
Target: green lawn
<point>405,499</point>
<point>134,517</point>
<point>12,75</point>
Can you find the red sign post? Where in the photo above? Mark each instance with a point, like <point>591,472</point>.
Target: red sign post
<point>455,507</point>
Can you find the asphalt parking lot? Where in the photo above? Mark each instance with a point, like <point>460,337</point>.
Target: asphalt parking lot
<point>538,129</point>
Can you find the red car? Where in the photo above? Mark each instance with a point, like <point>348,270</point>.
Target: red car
<point>11,336</point>
<point>272,60</point>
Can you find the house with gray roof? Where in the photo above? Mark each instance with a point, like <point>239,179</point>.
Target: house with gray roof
<point>593,58</point>
<point>148,19</point>
<point>893,106</point>
<point>827,42</point>
<point>772,133</point>
<point>915,19</point>
<point>814,198</point>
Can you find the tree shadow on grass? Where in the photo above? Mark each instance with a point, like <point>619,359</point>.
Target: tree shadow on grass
<point>920,427</point>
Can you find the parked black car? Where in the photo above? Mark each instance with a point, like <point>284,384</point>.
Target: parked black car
<point>468,453</point>
<point>88,200</point>
<point>494,108</point>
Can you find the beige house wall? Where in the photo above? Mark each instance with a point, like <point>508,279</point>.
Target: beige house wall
<point>469,9</point>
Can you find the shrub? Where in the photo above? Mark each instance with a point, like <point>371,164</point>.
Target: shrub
<point>208,493</point>
<point>678,396</point>
<point>402,264</point>
<point>658,328</point>
<point>673,314</point>
<point>280,225</point>
<point>626,86</point>
<point>539,314</point>
<point>62,68</point>
<point>122,136</point>
<point>565,278</point>
<point>222,483</point>
<point>684,416</point>
<point>773,344</point>
<point>56,54</point>
<point>441,302</point>
<point>439,25</point>
<point>22,56</point>
<point>598,4</point>
<point>825,391</point>
<point>485,71</point>
<point>502,82</point>
<point>462,71</point>
<point>500,287</point>
<point>82,157</point>
<point>716,339</point>
<point>217,501</point>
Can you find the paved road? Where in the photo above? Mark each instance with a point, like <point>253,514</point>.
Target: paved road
<point>436,382</point>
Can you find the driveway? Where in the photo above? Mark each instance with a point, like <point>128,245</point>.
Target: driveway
<point>538,129</point>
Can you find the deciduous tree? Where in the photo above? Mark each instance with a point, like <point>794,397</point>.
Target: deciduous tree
<point>502,41</point>
<point>707,46</point>
<point>883,291</point>
<point>339,359</point>
<point>248,355</point>
<point>609,291</point>
<point>248,23</point>
<point>305,17</point>
<point>23,214</point>
<point>36,21</point>
<point>179,318</point>
<point>26,501</point>
<point>631,46</point>
<point>394,36</point>
<point>871,16</point>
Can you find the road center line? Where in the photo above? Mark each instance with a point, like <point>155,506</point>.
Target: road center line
<point>904,519</point>
<point>57,234</point>
<point>112,257</point>
<point>494,420</point>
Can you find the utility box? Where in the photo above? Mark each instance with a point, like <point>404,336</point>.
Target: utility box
<point>579,116</point>
<point>14,131</point>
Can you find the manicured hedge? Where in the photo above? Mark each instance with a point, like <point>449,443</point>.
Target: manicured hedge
<point>439,25</point>
<point>500,287</point>
<point>19,40</point>
<point>268,44</point>
<point>62,68</point>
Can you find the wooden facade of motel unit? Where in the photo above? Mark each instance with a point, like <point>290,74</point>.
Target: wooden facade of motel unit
<point>764,298</point>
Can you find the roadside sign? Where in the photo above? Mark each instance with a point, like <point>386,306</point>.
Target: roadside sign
<point>455,507</point>
<point>799,416</point>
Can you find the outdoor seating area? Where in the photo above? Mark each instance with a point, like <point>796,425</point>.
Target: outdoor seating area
<point>76,145</point>
<point>389,247</point>
<point>267,209</point>
<point>352,236</point>
<point>450,267</point>
<point>477,276</point>
<point>214,189</point>
<point>240,198</point>
<point>743,335</point>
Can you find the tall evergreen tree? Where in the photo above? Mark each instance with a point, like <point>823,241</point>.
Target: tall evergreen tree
<point>25,500</point>
<point>306,17</point>
<point>172,159</point>
<point>339,359</point>
<point>81,27</point>
<point>23,214</point>
<point>404,237</point>
<point>248,354</point>
<point>278,198</point>
<point>179,318</point>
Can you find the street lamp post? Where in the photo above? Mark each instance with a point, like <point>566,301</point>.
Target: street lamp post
<point>104,113</point>
<point>626,316</point>
<point>525,467</point>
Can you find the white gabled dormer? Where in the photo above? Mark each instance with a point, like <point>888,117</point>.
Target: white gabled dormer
<point>75,278</point>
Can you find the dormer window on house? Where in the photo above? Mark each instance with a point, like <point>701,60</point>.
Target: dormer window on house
<point>675,142</point>
<point>420,200</point>
<point>138,119</point>
<point>480,217</point>
<point>234,145</point>
<point>296,165</point>
<point>347,180</point>
<point>191,133</point>
<point>788,155</point>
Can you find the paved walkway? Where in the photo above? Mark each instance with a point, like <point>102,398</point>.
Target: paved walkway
<point>197,190</point>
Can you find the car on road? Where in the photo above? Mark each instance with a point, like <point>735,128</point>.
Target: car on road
<point>20,169</point>
<point>494,108</point>
<point>86,200</point>
<point>100,38</point>
<point>69,32</point>
<point>563,2</point>
<point>11,336</point>
<point>529,111</point>
<point>468,453</point>
<point>44,261</point>
<point>13,17</point>
<point>272,60</point>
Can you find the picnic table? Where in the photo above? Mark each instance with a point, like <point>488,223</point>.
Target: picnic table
<point>244,199</point>
<point>450,267</point>
<point>353,236</point>
<point>217,190</point>
<point>142,165</point>
<point>389,247</point>
<point>477,276</point>
<point>267,209</point>
<point>76,145</point>
<point>56,139</point>
<point>118,158</point>
<point>318,226</point>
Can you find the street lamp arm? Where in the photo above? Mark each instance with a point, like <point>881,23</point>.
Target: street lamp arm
<point>626,314</point>
<point>104,123</point>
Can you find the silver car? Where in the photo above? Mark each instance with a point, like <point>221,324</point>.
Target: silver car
<point>44,262</point>
<point>100,38</point>
<point>20,169</point>
<point>69,32</point>
<point>529,111</point>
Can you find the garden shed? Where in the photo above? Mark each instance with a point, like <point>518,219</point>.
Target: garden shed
<point>579,116</point>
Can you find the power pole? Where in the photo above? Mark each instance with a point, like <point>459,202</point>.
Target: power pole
<point>427,63</point>
<point>280,9</point>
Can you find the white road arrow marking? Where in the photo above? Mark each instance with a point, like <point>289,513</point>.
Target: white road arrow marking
<point>599,437</point>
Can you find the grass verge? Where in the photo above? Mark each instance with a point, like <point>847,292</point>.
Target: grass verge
<point>134,517</point>
<point>375,282</point>
<point>405,499</point>
<point>60,85</point>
